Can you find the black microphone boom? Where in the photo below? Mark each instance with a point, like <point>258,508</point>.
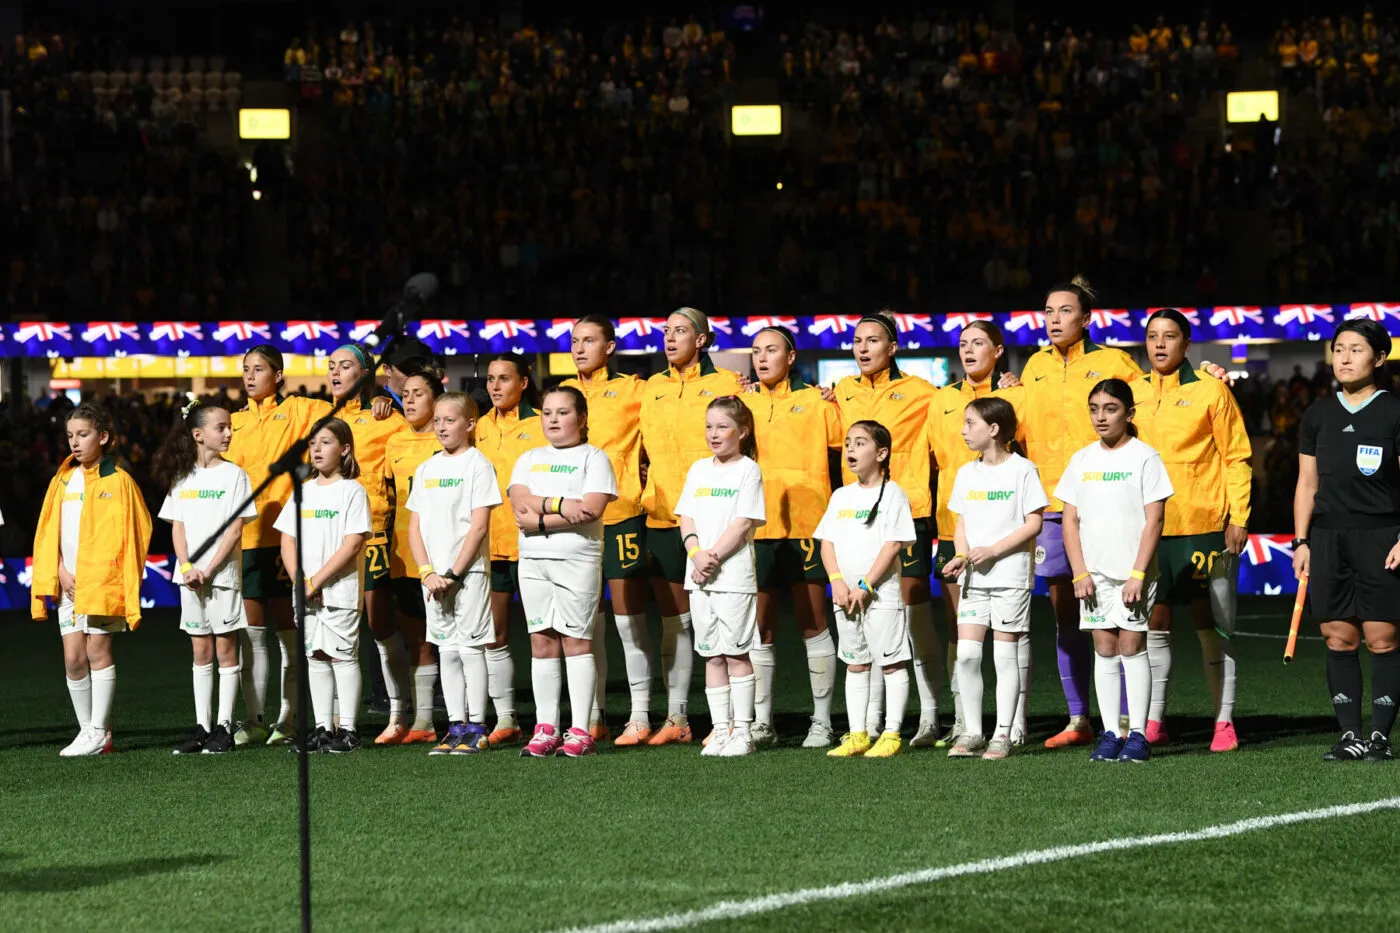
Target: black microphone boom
<point>418,291</point>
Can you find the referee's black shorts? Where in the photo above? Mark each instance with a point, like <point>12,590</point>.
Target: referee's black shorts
<point>1347,578</point>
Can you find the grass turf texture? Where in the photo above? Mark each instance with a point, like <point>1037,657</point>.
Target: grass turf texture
<point>152,841</point>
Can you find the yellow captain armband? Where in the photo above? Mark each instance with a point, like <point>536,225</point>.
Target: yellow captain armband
<point>425,569</point>
<point>1082,576</point>
<point>1138,575</point>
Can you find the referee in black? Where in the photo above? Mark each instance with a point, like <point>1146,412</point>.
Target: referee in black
<point>1346,520</point>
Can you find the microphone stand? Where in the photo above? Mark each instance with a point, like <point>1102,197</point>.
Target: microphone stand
<point>293,464</point>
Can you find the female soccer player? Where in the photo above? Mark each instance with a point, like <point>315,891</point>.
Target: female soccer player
<point>89,555</point>
<point>999,501</point>
<point>1053,405</point>
<point>719,507</point>
<point>867,524</point>
<point>615,405</point>
<point>1346,520</point>
<point>1196,426</point>
<point>205,489</point>
<point>795,429</point>
<point>347,365</point>
<point>453,494</point>
<point>900,402</point>
<point>980,348</point>
<point>558,494</point>
<point>418,391</point>
<point>262,433</point>
<point>335,526</point>
<point>673,432</point>
<point>1115,492</point>
<point>505,432</point>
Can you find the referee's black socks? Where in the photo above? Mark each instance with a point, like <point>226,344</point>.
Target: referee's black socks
<point>1385,690</point>
<point>1344,680</point>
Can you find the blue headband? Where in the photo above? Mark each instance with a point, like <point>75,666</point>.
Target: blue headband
<point>359,353</point>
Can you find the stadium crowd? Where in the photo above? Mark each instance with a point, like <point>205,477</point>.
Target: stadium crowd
<point>525,165</point>
<point>117,206</point>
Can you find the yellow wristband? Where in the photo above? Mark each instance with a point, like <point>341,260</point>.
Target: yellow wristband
<point>835,576</point>
<point>1138,575</point>
<point>693,551</point>
<point>959,557</point>
<point>186,567</point>
<point>1082,576</point>
<point>424,569</point>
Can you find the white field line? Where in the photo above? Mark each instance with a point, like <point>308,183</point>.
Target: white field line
<point>732,910</point>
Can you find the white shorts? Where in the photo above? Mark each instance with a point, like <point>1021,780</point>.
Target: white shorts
<point>211,610</point>
<point>462,618</point>
<point>561,595</point>
<point>880,630</point>
<point>70,623</point>
<point>725,624</point>
<point>1105,610</point>
<point>1000,608</point>
<point>334,632</point>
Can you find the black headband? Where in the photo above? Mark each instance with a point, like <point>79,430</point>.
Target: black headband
<point>784,333</point>
<point>884,322</point>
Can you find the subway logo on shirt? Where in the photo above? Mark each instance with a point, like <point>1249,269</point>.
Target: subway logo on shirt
<point>1098,477</point>
<point>989,495</point>
<point>715,492</point>
<point>858,514</point>
<point>553,468</point>
<point>443,483</point>
<point>72,497</point>
<point>319,513</point>
<point>202,493</point>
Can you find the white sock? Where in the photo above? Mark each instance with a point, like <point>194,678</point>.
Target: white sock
<point>252,642</point>
<point>1159,654</point>
<point>1218,656</point>
<point>454,684</point>
<point>104,690</point>
<point>347,690</point>
<point>875,705</point>
<point>583,682</point>
<point>80,692</point>
<point>288,639</point>
<point>322,691</point>
<point>473,661</point>
<point>742,692</point>
<point>764,669</point>
<point>546,676</point>
<point>928,664</point>
<point>969,672</point>
<point>228,694</point>
<point>896,698</point>
<point>1023,666</point>
<point>1008,694</point>
<point>600,664</point>
<point>959,711</point>
<point>500,672</point>
<point>677,658</point>
<point>204,695</point>
<point>821,671</point>
<point>393,661</point>
<point>1108,680</point>
<point>636,654</point>
<point>1137,675</point>
<point>424,676</point>
<point>857,699</point>
<point>721,711</point>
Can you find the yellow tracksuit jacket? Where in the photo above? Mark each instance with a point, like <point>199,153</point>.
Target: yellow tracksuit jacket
<point>673,431</point>
<point>615,428</point>
<point>794,428</point>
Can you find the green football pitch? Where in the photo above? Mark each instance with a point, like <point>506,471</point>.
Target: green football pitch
<point>656,839</point>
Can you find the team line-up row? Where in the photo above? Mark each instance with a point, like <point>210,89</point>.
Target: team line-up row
<point>713,494</point>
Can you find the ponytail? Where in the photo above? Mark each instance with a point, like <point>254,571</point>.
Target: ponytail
<point>879,436</point>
